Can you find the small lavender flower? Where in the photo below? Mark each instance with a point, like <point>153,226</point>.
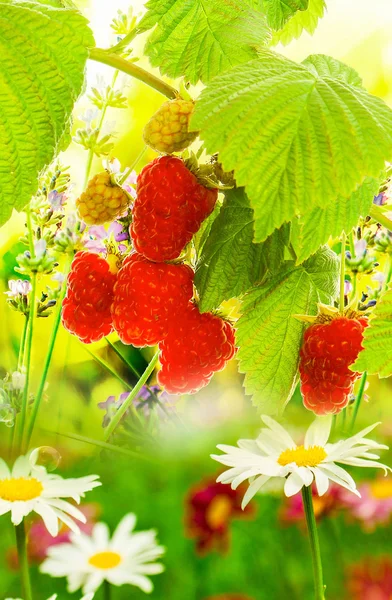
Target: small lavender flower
<point>145,400</point>
<point>381,199</point>
<point>89,116</point>
<point>18,381</point>
<point>348,287</point>
<point>98,234</point>
<point>40,248</point>
<point>56,200</point>
<point>18,287</point>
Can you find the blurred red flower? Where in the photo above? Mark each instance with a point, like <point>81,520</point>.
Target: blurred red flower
<point>209,509</point>
<point>292,510</point>
<point>39,539</point>
<point>374,507</point>
<point>371,579</point>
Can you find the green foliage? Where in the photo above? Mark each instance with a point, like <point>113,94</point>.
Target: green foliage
<point>278,12</point>
<point>315,227</point>
<point>305,20</point>
<point>376,358</point>
<point>270,336</point>
<point>230,263</point>
<point>41,76</point>
<point>297,136</point>
<point>199,39</point>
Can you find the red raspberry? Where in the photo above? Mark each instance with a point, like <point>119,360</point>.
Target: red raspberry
<point>146,296</point>
<point>86,307</point>
<point>197,345</point>
<point>170,206</point>
<point>327,352</point>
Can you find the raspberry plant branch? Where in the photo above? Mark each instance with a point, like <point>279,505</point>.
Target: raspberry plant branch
<point>126,40</point>
<point>129,401</point>
<point>358,401</point>
<point>314,542</point>
<point>129,170</point>
<point>342,272</point>
<point>20,533</point>
<point>378,214</point>
<point>48,359</point>
<point>117,62</point>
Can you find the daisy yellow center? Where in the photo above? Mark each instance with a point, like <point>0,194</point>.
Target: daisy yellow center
<point>382,490</point>
<point>303,457</point>
<point>218,511</point>
<point>105,560</point>
<point>20,489</point>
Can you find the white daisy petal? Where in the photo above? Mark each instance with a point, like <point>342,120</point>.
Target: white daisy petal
<point>279,431</point>
<point>21,468</point>
<point>322,481</point>
<point>49,517</point>
<point>253,489</point>
<point>93,581</point>
<point>305,474</point>
<point>319,432</point>
<point>4,470</point>
<point>293,485</point>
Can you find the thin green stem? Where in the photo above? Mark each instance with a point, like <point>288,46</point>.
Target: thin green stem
<point>129,401</point>
<point>342,272</point>
<point>117,62</point>
<point>90,156</point>
<point>22,344</point>
<point>28,352</point>
<point>129,170</point>
<point>20,533</point>
<point>127,39</point>
<point>123,358</point>
<point>314,543</point>
<point>107,590</point>
<point>388,272</point>
<point>103,445</point>
<point>48,359</point>
<point>377,213</point>
<point>358,400</point>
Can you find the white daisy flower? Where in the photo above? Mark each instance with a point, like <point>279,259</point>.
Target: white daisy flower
<point>125,558</point>
<point>275,454</point>
<point>28,488</point>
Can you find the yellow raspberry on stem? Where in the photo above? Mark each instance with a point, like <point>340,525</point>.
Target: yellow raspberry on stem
<point>167,131</point>
<point>102,201</point>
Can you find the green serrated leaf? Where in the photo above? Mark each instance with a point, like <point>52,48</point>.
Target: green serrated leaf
<point>43,54</point>
<point>198,39</point>
<point>317,226</point>
<point>295,139</point>
<point>376,358</point>
<point>230,262</point>
<point>306,20</point>
<point>278,12</point>
<point>326,66</point>
<point>268,335</point>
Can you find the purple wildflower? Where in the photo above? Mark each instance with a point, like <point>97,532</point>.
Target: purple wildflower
<point>56,200</point>
<point>98,234</point>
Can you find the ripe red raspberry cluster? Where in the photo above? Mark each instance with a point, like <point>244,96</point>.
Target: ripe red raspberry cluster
<point>328,350</point>
<point>150,301</point>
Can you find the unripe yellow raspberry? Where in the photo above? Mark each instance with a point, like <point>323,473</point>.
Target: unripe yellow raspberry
<point>102,201</point>
<point>167,131</point>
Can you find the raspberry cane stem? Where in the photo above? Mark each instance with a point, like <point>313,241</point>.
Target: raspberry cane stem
<point>117,62</point>
<point>342,272</point>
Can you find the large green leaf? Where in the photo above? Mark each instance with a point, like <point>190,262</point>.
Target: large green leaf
<point>279,11</point>
<point>297,136</point>
<point>268,334</point>
<point>230,262</point>
<point>376,358</point>
<point>198,39</point>
<point>306,20</point>
<point>43,54</point>
<point>315,227</point>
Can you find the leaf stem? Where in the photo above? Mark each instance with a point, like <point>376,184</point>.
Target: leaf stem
<point>103,445</point>
<point>48,359</point>
<point>342,272</point>
<point>20,533</point>
<point>314,542</point>
<point>358,400</point>
<point>117,62</point>
<point>127,39</point>
<point>128,402</point>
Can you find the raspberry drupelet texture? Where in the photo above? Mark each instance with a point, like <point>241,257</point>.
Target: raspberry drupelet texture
<point>86,307</point>
<point>170,206</point>
<point>167,130</point>
<point>147,296</point>
<point>196,346</point>
<point>327,352</point>
<point>102,201</point>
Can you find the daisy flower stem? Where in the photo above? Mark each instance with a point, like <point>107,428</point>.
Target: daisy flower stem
<point>49,355</point>
<point>342,272</point>
<point>128,402</point>
<point>23,561</point>
<point>358,400</point>
<point>107,590</point>
<point>314,542</point>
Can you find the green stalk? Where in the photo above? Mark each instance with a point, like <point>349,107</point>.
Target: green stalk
<point>22,344</point>
<point>314,543</point>
<point>123,358</point>
<point>127,39</point>
<point>129,401</point>
<point>129,170</point>
<point>117,62</point>
<point>20,533</point>
<point>107,590</point>
<point>358,400</point>
<point>90,156</point>
<point>377,213</point>
<point>29,346</point>
<point>48,359</point>
<point>103,445</point>
<point>342,272</point>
